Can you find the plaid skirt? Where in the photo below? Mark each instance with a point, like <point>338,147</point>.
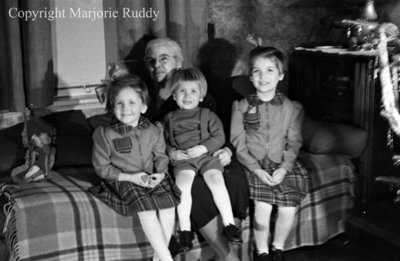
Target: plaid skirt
<point>289,193</point>
<point>127,198</point>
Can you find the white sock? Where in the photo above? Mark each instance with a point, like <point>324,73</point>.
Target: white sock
<point>283,226</point>
<point>184,180</point>
<point>216,183</point>
<point>262,216</point>
<point>155,234</point>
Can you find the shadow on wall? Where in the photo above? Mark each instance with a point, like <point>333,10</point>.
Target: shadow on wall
<point>216,59</point>
<point>134,61</point>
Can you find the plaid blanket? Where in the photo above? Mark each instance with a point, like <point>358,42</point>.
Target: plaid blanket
<point>322,213</point>
<point>59,220</point>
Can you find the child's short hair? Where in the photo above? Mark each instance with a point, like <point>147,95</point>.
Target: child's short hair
<point>267,52</point>
<point>188,75</point>
<point>168,43</point>
<point>128,81</point>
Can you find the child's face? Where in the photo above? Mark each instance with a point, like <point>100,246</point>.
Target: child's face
<point>188,95</point>
<point>128,107</point>
<point>265,75</point>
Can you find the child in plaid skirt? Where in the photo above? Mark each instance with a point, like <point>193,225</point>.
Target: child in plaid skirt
<point>266,131</point>
<point>129,156</point>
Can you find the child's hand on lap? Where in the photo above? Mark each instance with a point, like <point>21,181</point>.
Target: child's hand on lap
<point>279,175</point>
<point>224,155</point>
<point>155,179</point>
<point>196,151</point>
<point>139,178</point>
<point>178,155</point>
<point>265,177</point>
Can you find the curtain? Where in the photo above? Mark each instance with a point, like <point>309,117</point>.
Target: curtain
<point>26,65</point>
<point>184,21</point>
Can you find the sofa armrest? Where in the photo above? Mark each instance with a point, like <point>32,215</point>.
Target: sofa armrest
<point>333,138</point>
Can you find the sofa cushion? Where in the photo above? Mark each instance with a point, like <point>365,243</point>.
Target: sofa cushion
<point>100,120</point>
<point>327,137</point>
<point>73,140</point>
<point>69,122</point>
<point>12,150</point>
<point>73,150</point>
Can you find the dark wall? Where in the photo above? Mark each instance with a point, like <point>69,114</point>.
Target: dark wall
<point>290,23</point>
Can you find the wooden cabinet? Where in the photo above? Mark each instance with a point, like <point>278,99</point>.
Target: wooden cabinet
<point>340,86</point>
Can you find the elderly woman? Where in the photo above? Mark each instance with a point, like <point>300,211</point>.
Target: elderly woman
<point>162,55</point>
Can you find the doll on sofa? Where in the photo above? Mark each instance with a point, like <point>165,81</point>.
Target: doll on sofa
<point>40,153</point>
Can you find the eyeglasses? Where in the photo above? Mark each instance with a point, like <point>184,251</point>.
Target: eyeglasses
<point>163,59</point>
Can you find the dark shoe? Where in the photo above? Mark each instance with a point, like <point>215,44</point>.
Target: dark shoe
<point>277,255</point>
<point>263,257</point>
<point>185,241</point>
<point>231,232</point>
<point>173,246</point>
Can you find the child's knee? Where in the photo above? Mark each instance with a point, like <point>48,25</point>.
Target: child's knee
<point>262,209</point>
<point>184,178</point>
<point>214,177</point>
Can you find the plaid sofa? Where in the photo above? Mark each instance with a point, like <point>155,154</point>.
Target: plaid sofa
<point>60,220</point>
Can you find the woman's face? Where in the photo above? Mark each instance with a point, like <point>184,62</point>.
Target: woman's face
<point>265,75</point>
<point>160,60</point>
<point>128,106</point>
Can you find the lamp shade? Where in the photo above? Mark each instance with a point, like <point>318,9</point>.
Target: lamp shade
<point>369,12</point>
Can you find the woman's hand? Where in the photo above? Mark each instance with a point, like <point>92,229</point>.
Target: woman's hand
<point>265,177</point>
<point>155,179</point>
<point>279,175</point>
<point>224,156</point>
<point>140,178</point>
<point>178,155</point>
<point>196,151</point>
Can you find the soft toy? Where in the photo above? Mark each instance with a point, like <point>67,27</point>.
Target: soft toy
<point>40,154</point>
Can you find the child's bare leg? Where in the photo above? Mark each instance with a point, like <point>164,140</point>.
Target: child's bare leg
<point>262,215</point>
<point>215,181</point>
<point>155,234</point>
<point>184,180</point>
<point>283,226</point>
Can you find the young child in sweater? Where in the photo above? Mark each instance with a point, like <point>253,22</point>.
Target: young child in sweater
<point>266,131</point>
<point>193,134</point>
<point>129,156</point>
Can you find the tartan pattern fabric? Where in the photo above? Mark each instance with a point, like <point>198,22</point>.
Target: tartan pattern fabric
<point>251,118</point>
<point>289,193</point>
<point>60,220</point>
<point>322,213</point>
<point>122,128</point>
<point>75,225</point>
<point>127,198</point>
<point>124,144</point>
